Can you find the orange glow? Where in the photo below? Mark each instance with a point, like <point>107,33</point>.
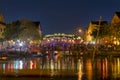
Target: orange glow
<point>80,30</point>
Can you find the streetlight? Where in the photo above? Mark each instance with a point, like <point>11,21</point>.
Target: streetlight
<point>80,30</point>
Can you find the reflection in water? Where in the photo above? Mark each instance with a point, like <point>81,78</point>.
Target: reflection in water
<point>80,73</point>
<point>116,68</point>
<point>103,68</point>
<point>89,69</point>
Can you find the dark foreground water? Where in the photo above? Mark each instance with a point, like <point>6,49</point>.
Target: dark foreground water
<point>60,68</point>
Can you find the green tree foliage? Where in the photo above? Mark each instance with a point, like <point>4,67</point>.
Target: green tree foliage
<point>22,30</point>
<point>29,31</point>
<point>103,31</point>
<point>12,30</point>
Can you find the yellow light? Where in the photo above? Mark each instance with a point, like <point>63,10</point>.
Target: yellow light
<point>80,30</point>
<point>48,40</point>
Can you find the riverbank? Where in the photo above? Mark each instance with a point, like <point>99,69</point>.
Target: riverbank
<point>20,55</point>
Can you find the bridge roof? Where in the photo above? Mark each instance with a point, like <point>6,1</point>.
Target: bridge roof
<point>59,35</point>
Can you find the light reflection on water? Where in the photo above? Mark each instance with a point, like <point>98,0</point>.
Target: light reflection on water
<point>79,68</point>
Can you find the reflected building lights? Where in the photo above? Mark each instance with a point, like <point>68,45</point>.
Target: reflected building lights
<point>31,64</point>
<point>15,64</point>
<point>80,73</point>
<point>104,68</point>
<point>89,69</point>
<point>20,64</point>
<point>52,67</point>
<point>4,68</point>
<point>118,65</point>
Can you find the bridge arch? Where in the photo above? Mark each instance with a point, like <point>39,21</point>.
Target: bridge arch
<point>59,41</point>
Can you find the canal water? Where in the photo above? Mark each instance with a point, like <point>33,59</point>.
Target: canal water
<point>60,68</point>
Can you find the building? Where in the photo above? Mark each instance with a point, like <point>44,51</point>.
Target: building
<point>2,25</point>
<point>116,18</point>
<point>116,28</point>
<point>93,25</point>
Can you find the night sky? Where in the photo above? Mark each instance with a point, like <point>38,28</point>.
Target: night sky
<point>59,16</point>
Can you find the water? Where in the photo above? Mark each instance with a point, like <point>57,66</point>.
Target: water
<point>60,68</point>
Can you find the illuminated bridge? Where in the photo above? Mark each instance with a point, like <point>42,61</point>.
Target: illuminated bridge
<point>60,41</point>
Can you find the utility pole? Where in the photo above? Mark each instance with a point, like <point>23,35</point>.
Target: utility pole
<point>97,36</point>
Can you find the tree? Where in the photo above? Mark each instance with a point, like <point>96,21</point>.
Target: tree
<point>104,31</point>
<point>29,30</point>
<point>12,31</point>
<point>23,30</point>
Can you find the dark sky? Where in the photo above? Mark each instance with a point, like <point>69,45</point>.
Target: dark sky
<point>59,16</point>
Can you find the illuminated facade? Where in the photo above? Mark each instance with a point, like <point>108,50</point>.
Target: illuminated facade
<point>116,31</point>
<point>116,18</point>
